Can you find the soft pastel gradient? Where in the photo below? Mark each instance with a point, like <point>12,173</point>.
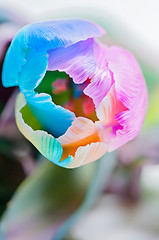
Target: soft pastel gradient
<point>110,77</point>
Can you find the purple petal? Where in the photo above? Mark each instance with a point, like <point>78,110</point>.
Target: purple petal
<point>82,61</point>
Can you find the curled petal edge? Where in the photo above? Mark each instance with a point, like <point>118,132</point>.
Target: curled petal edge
<point>41,37</point>
<point>81,139</point>
<point>51,148</point>
<point>89,153</point>
<point>46,144</point>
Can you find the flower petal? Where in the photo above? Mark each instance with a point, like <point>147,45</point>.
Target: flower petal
<point>81,143</point>
<point>27,60</point>
<point>76,60</point>
<point>47,145</point>
<point>61,33</point>
<point>55,119</point>
<point>88,153</point>
<point>109,108</point>
<point>102,79</point>
<point>41,37</point>
<point>14,60</point>
<point>129,81</point>
<point>131,91</point>
<point>78,132</point>
<point>81,61</point>
<point>99,86</point>
<point>127,104</point>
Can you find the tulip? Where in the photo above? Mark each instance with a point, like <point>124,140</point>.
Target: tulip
<point>79,98</point>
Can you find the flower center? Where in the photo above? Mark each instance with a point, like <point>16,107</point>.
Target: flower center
<point>66,93</point>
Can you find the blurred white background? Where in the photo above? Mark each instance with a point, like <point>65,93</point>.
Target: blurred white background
<point>139,16</point>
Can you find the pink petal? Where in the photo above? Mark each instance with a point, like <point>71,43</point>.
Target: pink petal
<point>102,79</point>
<point>109,108</point>
<point>129,81</point>
<point>126,104</point>
<point>99,86</point>
<point>106,112</point>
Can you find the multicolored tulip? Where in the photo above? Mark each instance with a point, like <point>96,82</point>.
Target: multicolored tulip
<point>79,98</point>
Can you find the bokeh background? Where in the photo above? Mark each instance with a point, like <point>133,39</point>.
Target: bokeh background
<point>114,198</point>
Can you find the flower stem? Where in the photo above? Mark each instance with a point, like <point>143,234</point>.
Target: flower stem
<point>104,168</point>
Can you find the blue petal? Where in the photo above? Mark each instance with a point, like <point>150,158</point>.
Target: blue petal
<point>33,70</point>
<point>55,119</point>
<point>61,33</point>
<point>42,37</point>
<point>14,61</point>
<point>26,63</point>
<point>47,145</point>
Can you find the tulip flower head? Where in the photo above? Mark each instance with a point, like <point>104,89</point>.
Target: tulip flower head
<point>79,98</point>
